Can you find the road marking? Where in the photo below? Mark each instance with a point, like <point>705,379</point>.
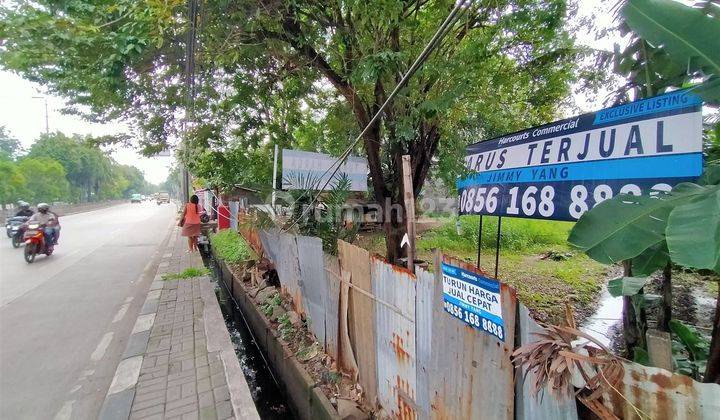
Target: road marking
<point>143,323</point>
<point>121,313</point>
<point>101,347</point>
<point>75,389</point>
<point>129,299</point>
<point>65,412</point>
<point>126,375</point>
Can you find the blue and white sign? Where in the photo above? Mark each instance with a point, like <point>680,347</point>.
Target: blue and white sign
<point>300,167</point>
<point>473,299</point>
<point>560,170</point>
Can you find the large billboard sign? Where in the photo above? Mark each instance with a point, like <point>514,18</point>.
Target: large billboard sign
<point>302,169</point>
<point>560,170</point>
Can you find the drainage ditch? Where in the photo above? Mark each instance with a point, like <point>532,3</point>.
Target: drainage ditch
<point>270,401</point>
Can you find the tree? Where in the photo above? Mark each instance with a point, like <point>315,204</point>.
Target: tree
<point>89,170</point>
<point>12,182</point>
<point>171,185</point>
<point>44,180</point>
<point>502,66</point>
<point>135,179</point>
<point>9,146</point>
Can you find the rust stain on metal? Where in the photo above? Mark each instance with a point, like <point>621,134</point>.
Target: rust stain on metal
<point>405,397</point>
<point>396,268</point>
<point>397,345</point>
<point>660,394</point>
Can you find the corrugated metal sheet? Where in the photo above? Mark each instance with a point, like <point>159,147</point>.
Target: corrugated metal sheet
<point>473,375</point>
<point>313,283</point>
<point>544,405</point>
<point>332,275</point>
<point>270,244</point>
<point>659,394</point>
<point>361,318</point>
<point>288,268</point>
<point>423,338</point>
<point>395,333</point>
<point>282,250</point>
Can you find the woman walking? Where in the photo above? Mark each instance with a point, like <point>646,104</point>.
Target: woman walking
<point>190,222</point>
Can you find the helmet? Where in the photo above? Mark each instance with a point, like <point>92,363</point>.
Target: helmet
<point>43,206</point>
<point>23,205</point>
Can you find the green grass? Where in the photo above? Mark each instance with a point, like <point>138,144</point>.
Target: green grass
<point>517,234</point>
<point>187,274</point>
<point>230,246</point>
<point>543,284</point>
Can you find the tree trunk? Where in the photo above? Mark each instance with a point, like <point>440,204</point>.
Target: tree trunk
<point>394,227</point>
<point>712,371</point>
<point>665,313</point>
<point>634,324</point>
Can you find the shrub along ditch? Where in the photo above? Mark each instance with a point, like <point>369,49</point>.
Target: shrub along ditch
<point>230,246</point>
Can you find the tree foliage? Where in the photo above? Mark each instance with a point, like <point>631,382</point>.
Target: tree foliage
<point>10,147</point>
<point>303,74</point>
<point>44,180</point>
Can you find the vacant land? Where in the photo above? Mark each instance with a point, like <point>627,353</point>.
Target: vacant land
<point>534,257</point>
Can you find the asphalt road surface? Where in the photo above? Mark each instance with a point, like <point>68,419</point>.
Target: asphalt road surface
<point>65,319</point>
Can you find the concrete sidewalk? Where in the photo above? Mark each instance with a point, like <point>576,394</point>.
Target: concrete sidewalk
<point>179,362</point>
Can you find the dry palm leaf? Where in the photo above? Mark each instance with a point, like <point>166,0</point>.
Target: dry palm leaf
<point>555,357</point>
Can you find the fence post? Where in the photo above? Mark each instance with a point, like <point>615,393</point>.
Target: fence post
<point>659,349</point>
<point>409,197</point>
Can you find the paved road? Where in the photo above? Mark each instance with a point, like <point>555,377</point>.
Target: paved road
<point>65,319</point>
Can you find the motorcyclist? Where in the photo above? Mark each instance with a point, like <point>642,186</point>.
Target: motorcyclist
<point>50,220</point>
<point>24,209</point>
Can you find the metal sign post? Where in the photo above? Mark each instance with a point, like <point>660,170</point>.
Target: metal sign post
<point>479,240</point>
<point>497,247</point>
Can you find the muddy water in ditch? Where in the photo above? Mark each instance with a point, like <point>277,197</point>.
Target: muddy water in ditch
<point>608,315</point>
<point>269,399</point>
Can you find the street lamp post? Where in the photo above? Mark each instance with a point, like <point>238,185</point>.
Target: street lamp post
<point>47,122</point>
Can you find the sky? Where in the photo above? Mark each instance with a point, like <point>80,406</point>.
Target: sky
<point>24,116</point>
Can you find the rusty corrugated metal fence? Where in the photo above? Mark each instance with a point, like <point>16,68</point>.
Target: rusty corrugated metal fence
<point>413,360</point>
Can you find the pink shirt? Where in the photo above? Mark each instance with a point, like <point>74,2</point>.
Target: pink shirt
<point>191,215</point>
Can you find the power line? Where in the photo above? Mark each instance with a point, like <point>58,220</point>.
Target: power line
<point>444,28</point>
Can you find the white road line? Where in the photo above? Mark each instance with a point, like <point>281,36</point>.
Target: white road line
<point>143,323</point>
<point>65,412</point>
<point>126,375</point>
<point>121,313</point>
<point>101,347</point>
<point>129,299</point>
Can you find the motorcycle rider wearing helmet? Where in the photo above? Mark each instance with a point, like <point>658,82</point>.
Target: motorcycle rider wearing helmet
<point>50,220</point>
<point>24,209</point>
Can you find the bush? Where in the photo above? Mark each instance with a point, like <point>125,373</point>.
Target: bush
<point>230,246</point>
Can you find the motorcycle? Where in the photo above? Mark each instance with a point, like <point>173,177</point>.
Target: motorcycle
<point>14,229</point>
<point>35,243</point>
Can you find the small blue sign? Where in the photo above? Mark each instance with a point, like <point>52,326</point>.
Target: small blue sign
<point>473,299</point>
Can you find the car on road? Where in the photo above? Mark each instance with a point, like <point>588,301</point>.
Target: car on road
<point>162,197</point>
<point>136,198</point>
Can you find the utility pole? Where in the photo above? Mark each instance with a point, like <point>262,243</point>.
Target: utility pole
<point>409,197</point>
<point>190,90</point>
<point>47,119</point>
